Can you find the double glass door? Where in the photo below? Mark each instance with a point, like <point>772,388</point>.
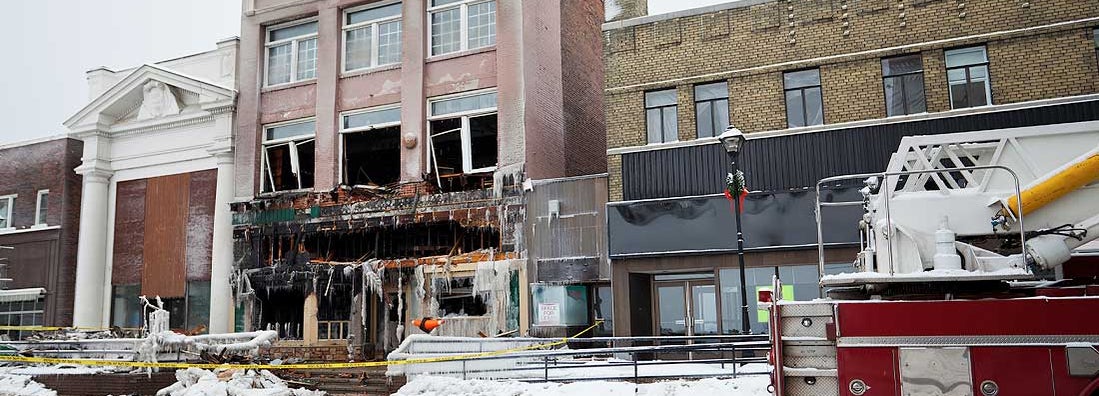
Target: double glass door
<point>686,308</point>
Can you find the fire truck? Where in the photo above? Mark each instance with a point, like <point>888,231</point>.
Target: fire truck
<point>973,276</point>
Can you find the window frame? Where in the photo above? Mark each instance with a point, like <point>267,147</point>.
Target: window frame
<point>266,175</point>
<point>675,105</point>
<point>802,89</point>
<point>294,41</point>
<point>343,131</point>
<point>968,78</point>
<point>10,211</point>
<point>463,27</point>
<point>1095,38</point>
<point>904,91</point>
<point>39,221</point>
<point>713,114</point>
<point>373,24</point>
<point>464,130</point>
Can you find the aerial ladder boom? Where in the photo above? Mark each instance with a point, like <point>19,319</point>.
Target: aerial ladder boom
<point>979,206</point>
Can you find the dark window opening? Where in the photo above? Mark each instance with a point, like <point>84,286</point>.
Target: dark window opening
<point>446,146</point>
<point>464,152</point>
<point>289,166</point>
<point>373,157</point>
<point>457,298</point>
<point>482,141</point>
<point>903,82</point>
<point>804,105</point>
<point>280,310</point>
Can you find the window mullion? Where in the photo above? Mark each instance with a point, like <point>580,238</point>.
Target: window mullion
<point>467,146</point>
<point>294,60</point>
<point>463,27</point>
<point>374,36</point>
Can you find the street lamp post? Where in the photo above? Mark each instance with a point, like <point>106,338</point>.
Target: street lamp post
<point>733,140</point>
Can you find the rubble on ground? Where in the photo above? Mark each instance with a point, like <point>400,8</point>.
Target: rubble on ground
<point>199,382</point>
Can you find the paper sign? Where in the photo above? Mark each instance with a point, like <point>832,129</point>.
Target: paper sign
<point>549,314</point>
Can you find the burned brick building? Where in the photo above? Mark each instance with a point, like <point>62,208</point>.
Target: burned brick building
<point>388,158</point>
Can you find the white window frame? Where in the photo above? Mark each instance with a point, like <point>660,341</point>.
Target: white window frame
<point>266,176</point>
<point>38,220</point>
<point>988,74</point>
<point>463,28</point>
<point>343,175</point>
<point>467,145</point>
<point>10,210</point>
<point>373,24</point>
<point>268,44</point>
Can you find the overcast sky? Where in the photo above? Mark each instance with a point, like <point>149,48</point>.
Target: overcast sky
<point>51,43</point>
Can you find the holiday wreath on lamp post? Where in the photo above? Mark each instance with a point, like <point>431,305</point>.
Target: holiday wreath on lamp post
<point>735,182</point>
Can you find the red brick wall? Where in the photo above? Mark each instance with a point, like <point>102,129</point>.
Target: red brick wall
<point>44,258</point>
<point>582,80</point>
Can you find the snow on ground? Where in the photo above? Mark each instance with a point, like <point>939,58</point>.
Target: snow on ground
<point>198,382</point>
<point>740,386</point>
<point>57,369</point>
<point>22,385</point>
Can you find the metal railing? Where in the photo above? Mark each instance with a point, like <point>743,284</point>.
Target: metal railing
<point>885,187</point>
<point>722,355</point>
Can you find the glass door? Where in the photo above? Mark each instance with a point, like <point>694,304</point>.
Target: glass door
<point>703,308</point>
<point>686,308</point>
<point>671,309</point>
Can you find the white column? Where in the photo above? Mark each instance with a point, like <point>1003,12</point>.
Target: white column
<point>91,256</point>
<point>221,264</point>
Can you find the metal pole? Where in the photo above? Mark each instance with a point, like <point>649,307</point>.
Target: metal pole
<point>745,327</point>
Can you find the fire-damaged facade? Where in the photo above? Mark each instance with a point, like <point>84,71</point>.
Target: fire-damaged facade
<point>389,156</point>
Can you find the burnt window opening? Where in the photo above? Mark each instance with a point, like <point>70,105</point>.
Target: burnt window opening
<point>372,146</point>
<point>288,157</point>
<point>457,298</point>
<point>281,310</point>
<point>334,313</point>
<point>463,140</point>
<point>372,158</point>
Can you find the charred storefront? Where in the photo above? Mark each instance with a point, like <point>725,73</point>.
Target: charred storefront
<point>356,266</point>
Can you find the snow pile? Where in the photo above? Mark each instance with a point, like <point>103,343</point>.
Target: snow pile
<point>57,369</point>
<point>22,385</point>
<point>741,386</point>
<point>198,382</point>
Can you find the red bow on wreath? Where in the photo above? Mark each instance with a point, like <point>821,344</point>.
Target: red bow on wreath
<point>735,182</point>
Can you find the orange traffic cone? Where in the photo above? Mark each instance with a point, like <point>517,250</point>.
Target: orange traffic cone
<point>427,324</point>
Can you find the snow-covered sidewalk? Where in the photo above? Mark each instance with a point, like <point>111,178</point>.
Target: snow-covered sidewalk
<point>740,386</point>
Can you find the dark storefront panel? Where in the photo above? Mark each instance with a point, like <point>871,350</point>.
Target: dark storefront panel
<point>798,161</point>
<point>706,224</point>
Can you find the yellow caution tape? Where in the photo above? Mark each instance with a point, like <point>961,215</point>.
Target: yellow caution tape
<point>182,365</point>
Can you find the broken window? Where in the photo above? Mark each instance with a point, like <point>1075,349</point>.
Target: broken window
<point>457,297</point>
<point>281,310</point>
<point>334,314</point>
<point>288,156</point>
<point>372,147</point>
<point>463,135</point>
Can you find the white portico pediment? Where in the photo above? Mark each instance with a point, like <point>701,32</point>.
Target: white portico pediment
<point>150,96</point>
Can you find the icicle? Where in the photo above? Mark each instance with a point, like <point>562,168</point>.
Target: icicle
<point>418,291</point>
<point>400,306</point>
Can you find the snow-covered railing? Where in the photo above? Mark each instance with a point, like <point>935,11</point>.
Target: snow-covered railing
<point>423,346</point>
<point>706,356</point>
